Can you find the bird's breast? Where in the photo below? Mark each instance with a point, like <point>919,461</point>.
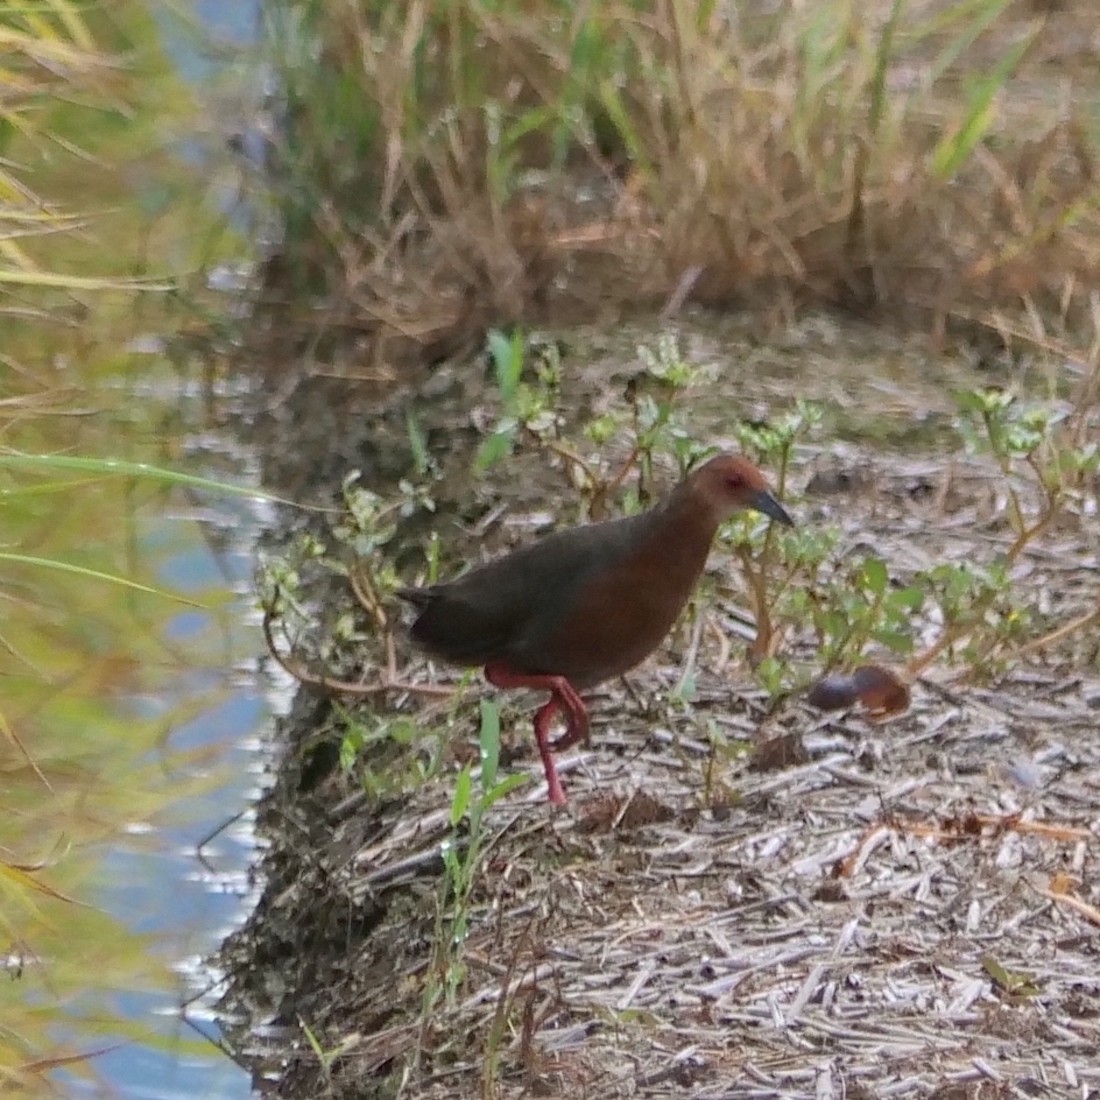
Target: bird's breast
<point>621,613</point>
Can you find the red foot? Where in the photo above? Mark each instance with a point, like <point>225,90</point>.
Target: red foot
<point>563,696</point>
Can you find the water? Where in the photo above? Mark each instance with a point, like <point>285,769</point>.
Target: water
<point>203,692</point>
<point>201,685</point>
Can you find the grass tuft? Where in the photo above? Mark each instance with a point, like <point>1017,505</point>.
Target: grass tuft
<point>447,164</point>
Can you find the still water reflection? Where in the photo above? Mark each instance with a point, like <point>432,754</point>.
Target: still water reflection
<point>205,691</point>
<point>196,708</point>
<point>130,724</point>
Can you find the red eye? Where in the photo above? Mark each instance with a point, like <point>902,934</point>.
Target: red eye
<point>735,481</point>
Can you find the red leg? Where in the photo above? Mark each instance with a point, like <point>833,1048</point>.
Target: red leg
<point>577,728</point>
<point>543,717</point>
<point>561,690</point>
<point>563,696</point>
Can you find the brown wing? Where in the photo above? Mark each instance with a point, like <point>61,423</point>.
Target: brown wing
<point>506,610</point>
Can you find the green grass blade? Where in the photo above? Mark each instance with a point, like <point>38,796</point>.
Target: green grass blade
<point>94,574</point>
<point>117,467</point>
<point>955,148</point>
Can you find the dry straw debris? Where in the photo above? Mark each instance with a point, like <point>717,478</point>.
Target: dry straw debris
<point>906,909</point>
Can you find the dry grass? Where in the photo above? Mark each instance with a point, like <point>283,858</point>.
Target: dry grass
<point>645,946</point>
<point>931,161</point>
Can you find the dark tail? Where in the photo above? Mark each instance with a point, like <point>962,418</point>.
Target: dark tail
<point>418,597</point>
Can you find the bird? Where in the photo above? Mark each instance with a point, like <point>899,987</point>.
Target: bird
<point>585,604</point>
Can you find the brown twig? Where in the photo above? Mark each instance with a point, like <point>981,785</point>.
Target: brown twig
<point>966,829</point>
<point>851,863</point>
<point>1064,631</point>
<point>360,690</point>
<point>764,643</point>
<point>603,491</point>
<point>364,592</point>
<point>1089,912</point>
<point>955,633</point>
<point>566,452</point>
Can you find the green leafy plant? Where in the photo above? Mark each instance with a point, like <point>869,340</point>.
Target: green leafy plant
<point>648,425</point>
<point>856,608</point>
<point>752,538</point>
<point>463,852</point>
<point>523,407</point>
<point>986,621</point>
<point>326,1058</point>
<point>1030,441</point>
<point>357,550</point>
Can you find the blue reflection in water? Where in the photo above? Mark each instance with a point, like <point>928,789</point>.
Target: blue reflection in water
<point>156,885</point>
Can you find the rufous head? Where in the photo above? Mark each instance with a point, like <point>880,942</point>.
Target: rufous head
<point>730,483</point>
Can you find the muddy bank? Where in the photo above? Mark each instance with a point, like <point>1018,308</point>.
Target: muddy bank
<point>874,910</point>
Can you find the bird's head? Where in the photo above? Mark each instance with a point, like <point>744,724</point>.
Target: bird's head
<point>731,483</point>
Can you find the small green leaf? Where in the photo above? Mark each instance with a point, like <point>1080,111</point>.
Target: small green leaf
<point>770,674</point>
<point>875,577</point>
<point>349,750</point>
<point>911,598</point>
<point>461,801</point>
<point>1015,983</point>
<point>504,788</point>
<point>507,355</point>
<point>970,401</point>
<point>403,731</point>
<point>418,443</point>
<point>685,690</point>
<point>601,429</point>
<point>895,640</point>
<point>495,447</point>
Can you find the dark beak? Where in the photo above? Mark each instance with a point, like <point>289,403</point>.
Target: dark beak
<point>766,502</point>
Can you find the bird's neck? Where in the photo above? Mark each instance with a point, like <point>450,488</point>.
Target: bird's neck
<point>679,542</point>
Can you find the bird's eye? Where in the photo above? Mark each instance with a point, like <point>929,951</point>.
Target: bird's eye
<point>735,481</point>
